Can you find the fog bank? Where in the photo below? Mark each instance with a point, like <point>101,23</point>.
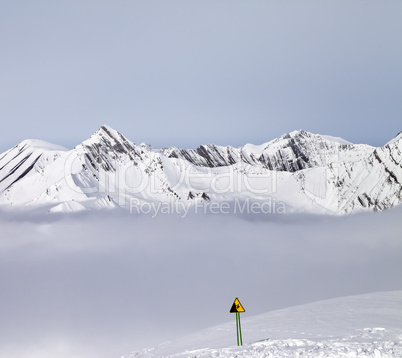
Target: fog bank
<point>101,285</point>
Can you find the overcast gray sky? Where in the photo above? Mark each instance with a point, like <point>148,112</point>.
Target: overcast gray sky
<point>194,72</point>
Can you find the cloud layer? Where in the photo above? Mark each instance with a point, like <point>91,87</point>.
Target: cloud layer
<point>102,285</point>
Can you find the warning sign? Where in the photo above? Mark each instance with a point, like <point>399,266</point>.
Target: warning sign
<point>237,307</point>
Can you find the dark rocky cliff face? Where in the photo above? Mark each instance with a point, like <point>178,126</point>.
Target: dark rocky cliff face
<point>290,152</point>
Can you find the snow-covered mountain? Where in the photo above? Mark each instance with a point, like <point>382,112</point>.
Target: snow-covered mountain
<point>299,171</point>
<point>368,325</point>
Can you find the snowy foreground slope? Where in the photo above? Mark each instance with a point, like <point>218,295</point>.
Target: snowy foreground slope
<point>368,325</point>
<point>297,172</point>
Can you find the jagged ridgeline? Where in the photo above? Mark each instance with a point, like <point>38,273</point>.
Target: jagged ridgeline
<point>297,172</point>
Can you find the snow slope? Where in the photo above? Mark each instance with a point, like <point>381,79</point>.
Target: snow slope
<point>297,172</point>
<point>368,325</point>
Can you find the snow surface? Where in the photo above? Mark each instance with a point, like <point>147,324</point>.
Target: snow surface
<point>336,139</point>
<point>301,171</point>
<point>395,139</point>
<point>368,325</point>
<point>67,207</point>
<point>42,144</point>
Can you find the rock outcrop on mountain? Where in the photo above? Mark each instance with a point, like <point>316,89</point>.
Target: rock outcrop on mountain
<point>303,172</point>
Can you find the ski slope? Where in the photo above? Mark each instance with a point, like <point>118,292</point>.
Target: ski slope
<point>368,325</point>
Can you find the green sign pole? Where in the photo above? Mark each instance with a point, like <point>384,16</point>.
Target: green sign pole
<point>237,308</point>
<point>237,328</point>
<point>241,339</point>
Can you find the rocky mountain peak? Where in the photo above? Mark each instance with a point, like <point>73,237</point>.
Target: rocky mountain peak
<point>306,170</point>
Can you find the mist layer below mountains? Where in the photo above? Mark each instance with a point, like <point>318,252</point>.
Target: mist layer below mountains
<point>104,284</point>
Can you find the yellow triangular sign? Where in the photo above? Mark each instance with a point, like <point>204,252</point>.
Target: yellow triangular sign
<point>237,307</point>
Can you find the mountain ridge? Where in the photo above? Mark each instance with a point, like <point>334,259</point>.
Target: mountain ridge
<point>304,171</point>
